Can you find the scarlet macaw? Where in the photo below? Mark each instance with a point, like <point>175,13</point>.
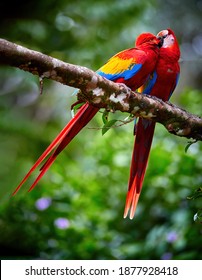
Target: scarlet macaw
<point>130,67</point>
<point>161,84</point>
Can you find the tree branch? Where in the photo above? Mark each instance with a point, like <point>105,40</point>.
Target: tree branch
<point>101,92</point>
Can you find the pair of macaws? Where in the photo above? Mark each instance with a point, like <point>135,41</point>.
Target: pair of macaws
<point>151,67</point>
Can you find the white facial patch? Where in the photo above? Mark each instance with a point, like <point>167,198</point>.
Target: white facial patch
<point>168,41</point>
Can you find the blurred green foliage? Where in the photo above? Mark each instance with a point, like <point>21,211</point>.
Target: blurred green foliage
<point>76,211</point>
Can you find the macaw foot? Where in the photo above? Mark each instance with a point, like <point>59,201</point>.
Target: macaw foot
<point>124,88</point>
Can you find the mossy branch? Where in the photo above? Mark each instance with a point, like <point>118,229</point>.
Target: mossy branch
<point>101,92</point>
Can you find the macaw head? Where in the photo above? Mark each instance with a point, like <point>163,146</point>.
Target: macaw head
<point>169,41</point>
<point>148,39</point>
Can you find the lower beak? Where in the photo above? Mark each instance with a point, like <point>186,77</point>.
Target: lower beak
<point>160,44</point>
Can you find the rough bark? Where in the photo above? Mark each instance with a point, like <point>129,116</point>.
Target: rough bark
<point>101,92</point>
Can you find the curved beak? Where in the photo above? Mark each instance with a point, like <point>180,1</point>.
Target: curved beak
<point>161,39</point>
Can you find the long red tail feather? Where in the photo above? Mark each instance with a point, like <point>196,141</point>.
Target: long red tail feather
<point>86,116</point>
<point>82,117</point>
<point>143,141</point>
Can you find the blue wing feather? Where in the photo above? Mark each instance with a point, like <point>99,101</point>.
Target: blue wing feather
<point>150,83</point>
<point>177,79</point>
<point>125,74</point>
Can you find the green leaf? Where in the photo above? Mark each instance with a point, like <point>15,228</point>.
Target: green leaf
<point>108,125</point>
<point>76,107</point>
<point>198,216</point>
<point>105,116</point>
<point>197,194</point>
<point>189,144</point>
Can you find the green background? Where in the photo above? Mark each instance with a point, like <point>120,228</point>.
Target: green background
<point>76,210</point>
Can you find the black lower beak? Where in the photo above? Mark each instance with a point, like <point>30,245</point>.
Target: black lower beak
<point>160,44</point>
